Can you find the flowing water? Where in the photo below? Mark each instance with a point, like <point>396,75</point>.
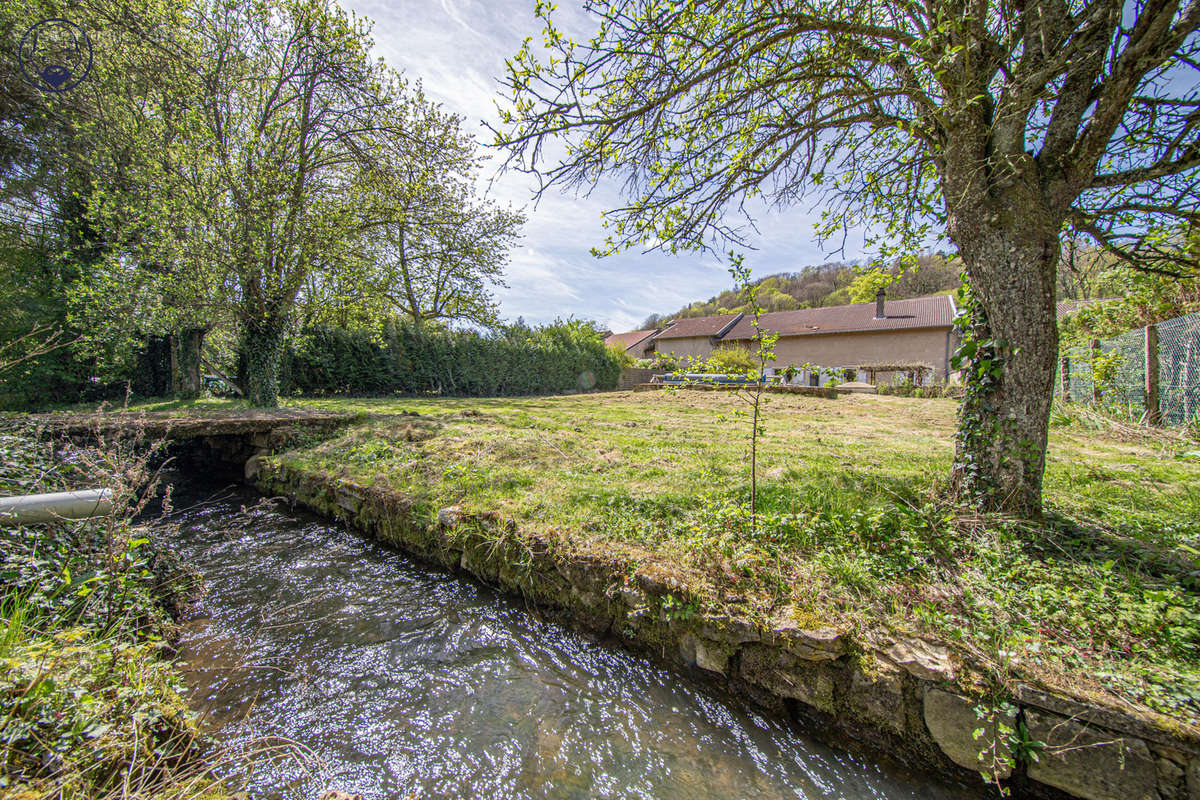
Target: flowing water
<point>403,679</point>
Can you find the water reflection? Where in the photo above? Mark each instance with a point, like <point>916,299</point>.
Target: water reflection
<point>404,679</point>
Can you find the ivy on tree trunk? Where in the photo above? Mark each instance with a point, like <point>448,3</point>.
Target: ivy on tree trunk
<point>1010,248</point>
<point>262,349</point>
<point>185,362</point>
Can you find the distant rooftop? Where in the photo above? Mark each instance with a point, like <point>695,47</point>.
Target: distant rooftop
<point>935,311</point>
<point>700,326</point>
<point>629,339</point>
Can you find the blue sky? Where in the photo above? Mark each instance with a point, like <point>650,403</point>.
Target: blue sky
<point>457,48</point>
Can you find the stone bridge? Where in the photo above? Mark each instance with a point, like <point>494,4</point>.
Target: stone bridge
<point>229,439</point>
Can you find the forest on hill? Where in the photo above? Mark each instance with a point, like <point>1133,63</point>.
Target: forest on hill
<point>834,283</point>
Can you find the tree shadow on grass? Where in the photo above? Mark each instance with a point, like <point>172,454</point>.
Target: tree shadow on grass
<point>1061,537</point>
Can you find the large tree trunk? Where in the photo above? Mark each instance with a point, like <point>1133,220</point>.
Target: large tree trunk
<point>1010,251</point>
<point>262,349</point>
<point>185,362</point>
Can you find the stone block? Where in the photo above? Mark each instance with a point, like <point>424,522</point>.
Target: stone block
<point>253,465</point>
<point>787,675</point>
<point>656,580</point>
<point>706,655</point>
<point>1091,763</point>
<point>731,630</point>
<point>632,597</point>
<point>877,697</point>
<point>820,644</point>
<point>953,723</point>
<point>1170,779</point>
<point>449,516</point>
<point>921,659</point>
<point>347,500</point>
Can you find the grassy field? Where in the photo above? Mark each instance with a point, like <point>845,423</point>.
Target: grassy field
<point>1103,599</point>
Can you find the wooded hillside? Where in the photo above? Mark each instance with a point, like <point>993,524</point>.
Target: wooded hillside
<point>831,284</point>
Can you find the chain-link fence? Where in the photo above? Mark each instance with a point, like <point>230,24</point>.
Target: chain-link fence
<point>1114,372</point>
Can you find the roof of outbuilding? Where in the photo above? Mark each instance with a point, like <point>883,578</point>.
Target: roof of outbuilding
<point>934,311</point>
<point>700,326</point>
<point>628,339</point>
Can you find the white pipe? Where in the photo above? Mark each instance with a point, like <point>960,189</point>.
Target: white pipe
<point>50,507</point>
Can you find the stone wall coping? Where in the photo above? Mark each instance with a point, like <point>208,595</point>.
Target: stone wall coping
<point>1184,737</point>
<point>190,426</point>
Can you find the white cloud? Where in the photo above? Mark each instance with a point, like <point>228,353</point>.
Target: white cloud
<point>458,48</point>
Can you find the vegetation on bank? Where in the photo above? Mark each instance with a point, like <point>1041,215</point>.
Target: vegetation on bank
<point>89,704</point>
<point>1101,600</point>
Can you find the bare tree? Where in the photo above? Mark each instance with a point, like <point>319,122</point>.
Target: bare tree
<point>1003,122</point>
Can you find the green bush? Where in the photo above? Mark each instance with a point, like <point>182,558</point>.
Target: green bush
<point>908,389</point>
<point>667,362</point>
<point>411,359</point>
<point>732,359</point>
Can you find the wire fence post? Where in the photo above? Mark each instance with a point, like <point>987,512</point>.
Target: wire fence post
<point>1153,414</point>
<point>1064,375</point>
<point>1095,384</point>
<point>1189,379</point>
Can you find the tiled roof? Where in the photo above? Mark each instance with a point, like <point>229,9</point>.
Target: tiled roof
<point>935,311</point>
<point>699,326</point>
<point>628,340</point>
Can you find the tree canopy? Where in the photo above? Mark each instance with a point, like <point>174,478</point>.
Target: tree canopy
<point>246,167</point>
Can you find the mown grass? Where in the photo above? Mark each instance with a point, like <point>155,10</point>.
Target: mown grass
<point>1103,599</point>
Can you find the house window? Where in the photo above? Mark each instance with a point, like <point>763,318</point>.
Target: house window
<point>849,374</point>
<point>814,379</point>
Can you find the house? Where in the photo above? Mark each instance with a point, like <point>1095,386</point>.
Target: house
<point>864,339</point>
<point>635,343</point>
<point>693,339</point>
<point>873,342</point>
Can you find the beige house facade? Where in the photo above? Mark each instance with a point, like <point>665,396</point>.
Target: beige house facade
<point>875,342</point>
<point>929,346</point>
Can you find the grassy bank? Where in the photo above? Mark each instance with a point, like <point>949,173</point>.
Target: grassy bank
<point>89,704</point>
<point>1103,601</point>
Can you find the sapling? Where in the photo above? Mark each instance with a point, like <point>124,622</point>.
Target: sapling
<point>764,352</point>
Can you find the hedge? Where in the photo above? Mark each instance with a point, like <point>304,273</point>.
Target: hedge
<point>411,359</point>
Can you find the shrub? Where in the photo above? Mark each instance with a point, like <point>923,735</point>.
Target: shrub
<point>91,709</point>
<point>410,359</point>
<point>622,356</point>
<point>732,359</point>
<point>667,362</point>
<point>908,389</point>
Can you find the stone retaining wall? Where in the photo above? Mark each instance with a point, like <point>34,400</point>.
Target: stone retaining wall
<point>902,697</point>
<point>632,376</point>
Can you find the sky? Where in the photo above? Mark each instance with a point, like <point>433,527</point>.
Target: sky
<point>457,49</point>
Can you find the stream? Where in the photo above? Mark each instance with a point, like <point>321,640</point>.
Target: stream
<point>401,679</point>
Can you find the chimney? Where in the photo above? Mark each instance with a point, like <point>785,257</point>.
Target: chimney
<point>879,304</point>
